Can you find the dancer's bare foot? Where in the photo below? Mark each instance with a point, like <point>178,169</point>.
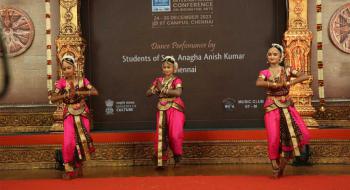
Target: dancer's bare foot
<point>69,175</point>
<point>283,164</point>
<point>275,169</point>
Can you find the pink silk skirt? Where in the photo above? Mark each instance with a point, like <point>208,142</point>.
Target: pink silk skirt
<point>272,125</point>
<point>69,143</point>
<point>175,120</point>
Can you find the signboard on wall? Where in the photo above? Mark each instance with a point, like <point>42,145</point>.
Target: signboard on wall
<point>220,46</point>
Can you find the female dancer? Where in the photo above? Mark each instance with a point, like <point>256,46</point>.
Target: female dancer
<point>170,114</point>
<point>287,132</point>
<point>77,142</point>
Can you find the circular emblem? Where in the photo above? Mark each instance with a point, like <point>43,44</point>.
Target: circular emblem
<point>339,28</point>
<point>18,30</point>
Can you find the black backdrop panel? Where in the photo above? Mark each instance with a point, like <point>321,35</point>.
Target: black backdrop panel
<point>220,46</point>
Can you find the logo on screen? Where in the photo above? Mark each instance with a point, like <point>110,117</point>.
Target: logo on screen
<point>161,6</point>
<point>229,104</point>
<point>109,107</point>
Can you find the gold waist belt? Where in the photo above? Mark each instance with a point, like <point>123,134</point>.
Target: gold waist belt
<point>280,98</point>
<point>278,104</point>
<point>73,111</point>
<point>166,99</point>
<point>169,105</point>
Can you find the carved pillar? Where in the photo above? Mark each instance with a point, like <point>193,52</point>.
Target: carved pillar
<point>69,41</point>
<point>297,41</point>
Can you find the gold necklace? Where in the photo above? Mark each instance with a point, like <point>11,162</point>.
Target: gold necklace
<point>275,75</point>
<point>166,83</point>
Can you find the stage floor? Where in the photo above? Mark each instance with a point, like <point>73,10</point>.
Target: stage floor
<point>132,137</point>
<point>328,146</point>
<point>184,170</point>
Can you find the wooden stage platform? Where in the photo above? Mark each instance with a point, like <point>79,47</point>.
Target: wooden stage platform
<point>328,146</point>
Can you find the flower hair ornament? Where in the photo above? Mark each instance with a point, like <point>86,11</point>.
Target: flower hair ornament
<point>69,59</point>
<point>171,59</point>
<point>280,49</point>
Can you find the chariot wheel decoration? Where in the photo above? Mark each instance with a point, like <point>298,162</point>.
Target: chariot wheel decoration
<point>339,28</point>
<point>18,30</point>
